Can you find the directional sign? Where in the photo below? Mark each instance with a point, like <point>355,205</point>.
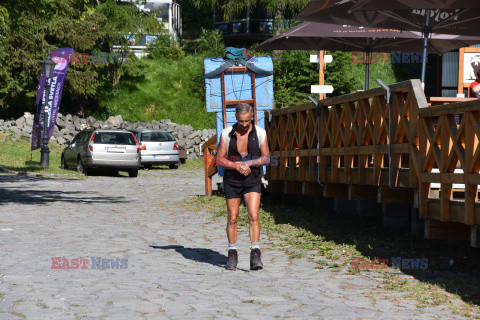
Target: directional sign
<point>327,58</point>
<point>321,89</point>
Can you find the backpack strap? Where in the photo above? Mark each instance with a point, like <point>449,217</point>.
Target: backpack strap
<point>250,66</point>
<point>224,66</point>
<point>226,136</point>
<point>230,63</point>
<point>261,134</point>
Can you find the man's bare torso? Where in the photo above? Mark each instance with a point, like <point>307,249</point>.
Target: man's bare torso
<point>242,142</point>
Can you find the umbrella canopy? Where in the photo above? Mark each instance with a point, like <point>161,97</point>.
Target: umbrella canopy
<point>445,16</point>
<point>442,16</point>
<point>408,4</point>
<point>323,36</point>
<point>335,12</point>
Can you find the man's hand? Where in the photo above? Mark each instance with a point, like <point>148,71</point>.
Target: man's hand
<point>243,168</point>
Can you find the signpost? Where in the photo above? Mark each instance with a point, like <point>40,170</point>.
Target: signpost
<point>321,89</point>
<point>321,60</point>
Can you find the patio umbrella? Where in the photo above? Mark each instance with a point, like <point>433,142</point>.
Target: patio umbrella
<point>451,16</point>
<point>427,16</point>
<point>323,36</point>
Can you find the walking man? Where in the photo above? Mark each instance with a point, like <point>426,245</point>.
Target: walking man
<point>242,152</point>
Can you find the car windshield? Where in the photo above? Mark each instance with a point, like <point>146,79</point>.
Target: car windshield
<point>157,137</point>
<point>114,138</point>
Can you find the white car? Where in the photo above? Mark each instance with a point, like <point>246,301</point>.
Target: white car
<point>157,147</point>
<point>102,149</point>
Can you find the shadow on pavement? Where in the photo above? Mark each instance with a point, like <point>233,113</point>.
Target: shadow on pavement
<point>24,192</point>
<point>453,265</point>
<point>198,254</point>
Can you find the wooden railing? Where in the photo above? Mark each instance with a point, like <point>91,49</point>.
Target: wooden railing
<point>361,146</point>
<point>449,155</point>
<point>209,163</point>
<point>435,101</point>
<point>350,138</point>
<point>390,148</point>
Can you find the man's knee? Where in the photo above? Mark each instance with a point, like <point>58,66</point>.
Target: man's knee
<point>253,219</point>
<point>232,222</point>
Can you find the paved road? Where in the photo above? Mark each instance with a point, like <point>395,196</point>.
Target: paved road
<point>174,259</point>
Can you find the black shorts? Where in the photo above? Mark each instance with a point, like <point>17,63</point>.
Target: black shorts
<point>237,192</point>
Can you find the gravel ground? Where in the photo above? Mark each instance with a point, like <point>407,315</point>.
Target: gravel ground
<point>135,252</point>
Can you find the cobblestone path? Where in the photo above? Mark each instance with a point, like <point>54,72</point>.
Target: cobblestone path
<point>142,255</point>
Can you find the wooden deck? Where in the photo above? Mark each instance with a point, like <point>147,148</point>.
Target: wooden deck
<point>362,146</point>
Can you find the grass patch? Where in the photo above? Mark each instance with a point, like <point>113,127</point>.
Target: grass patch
<point>192,164</point>
<point>15,156</point>
<point>332,241</point>
<point>161,90</point>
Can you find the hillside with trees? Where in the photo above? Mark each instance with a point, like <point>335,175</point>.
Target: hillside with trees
<point>166,84</point>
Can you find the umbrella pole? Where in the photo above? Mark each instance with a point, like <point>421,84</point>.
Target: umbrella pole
<point>425,43</point>
<point>367,71</point>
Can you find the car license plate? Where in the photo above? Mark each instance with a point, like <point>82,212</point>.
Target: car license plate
<point>160,157</point>
<point>118,150</point>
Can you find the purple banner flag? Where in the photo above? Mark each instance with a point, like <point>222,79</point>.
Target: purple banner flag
<point>61,57</point>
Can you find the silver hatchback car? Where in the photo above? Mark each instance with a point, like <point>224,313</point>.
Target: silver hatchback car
<point>157,147</point>
<point>115,150</point>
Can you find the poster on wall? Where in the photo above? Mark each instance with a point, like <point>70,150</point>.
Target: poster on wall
<point>471,64</point>
<point>468,65</point>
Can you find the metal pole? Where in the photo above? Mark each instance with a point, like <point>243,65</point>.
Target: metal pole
<point>426,31</point>
<point>45,151</point>
<point>367,71</point>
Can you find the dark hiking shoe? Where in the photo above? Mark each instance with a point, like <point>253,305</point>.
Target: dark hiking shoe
<point>232,259</point>
<point>255,260</point>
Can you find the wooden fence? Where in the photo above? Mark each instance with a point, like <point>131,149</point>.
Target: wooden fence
<point>450,158</point>
<point>386,148</point>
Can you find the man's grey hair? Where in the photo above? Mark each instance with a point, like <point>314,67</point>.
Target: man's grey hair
<point>243,108</point>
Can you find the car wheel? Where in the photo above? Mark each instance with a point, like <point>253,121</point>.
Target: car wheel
<point>132,173</point>
<point>182,161</point>
<point>63,165</point>
<point>173,166</point>
<point>80,167</point>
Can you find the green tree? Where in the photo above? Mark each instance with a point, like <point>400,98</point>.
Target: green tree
<point>165,48</point>
<point>211,43</point>
<point>293,76</point>
<point>121,22</point>
<point>30,29</point>
<point>281,9</point>
<point>342,74</point>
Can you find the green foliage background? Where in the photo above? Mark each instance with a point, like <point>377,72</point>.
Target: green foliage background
<point>167,84</point>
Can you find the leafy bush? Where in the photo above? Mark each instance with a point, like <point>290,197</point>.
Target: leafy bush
<point>164,47</point>
<point>211,44</point>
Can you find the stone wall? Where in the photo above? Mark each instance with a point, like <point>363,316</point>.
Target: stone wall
<point>67,126</point>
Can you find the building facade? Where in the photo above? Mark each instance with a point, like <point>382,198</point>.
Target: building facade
<point>167,12</point>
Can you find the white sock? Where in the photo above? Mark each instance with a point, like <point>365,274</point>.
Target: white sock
<point>255,245</point>
<point>232,246</point>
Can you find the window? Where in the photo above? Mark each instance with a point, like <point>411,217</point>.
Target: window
<point>114,138</point>
<point>157,137</point>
